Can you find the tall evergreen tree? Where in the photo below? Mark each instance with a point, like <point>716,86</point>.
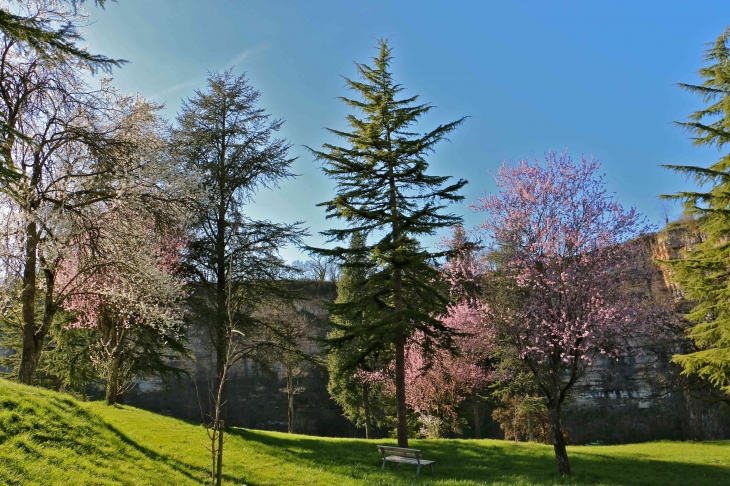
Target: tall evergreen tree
<point>704,273</point>
<point>226,138</point>
<point>383,190</point>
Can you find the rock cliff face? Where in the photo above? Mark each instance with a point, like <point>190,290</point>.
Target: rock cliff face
<point>256,394</point>
<point>635,399</point>
<point>626,401</point>
<point>671,244</point>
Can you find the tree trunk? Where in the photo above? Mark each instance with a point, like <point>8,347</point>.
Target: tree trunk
<point>290,397</point>
<point>213,455</point>
<point>366,410</point>
<point>477,421</point>
<point>221,384</point>
<point>32,345</point>
<point>530,431</point>
<point>400,340</point>
<point>32,341</point>
<point>556,429</point>
<point>400,390</point>
<point>219,469</point>
<point>34,335</point>
<point>112,381</point>
<point>223,306</point>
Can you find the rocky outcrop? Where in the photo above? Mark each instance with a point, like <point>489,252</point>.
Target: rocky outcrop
<point>639,397</point>
<point>256,392</point>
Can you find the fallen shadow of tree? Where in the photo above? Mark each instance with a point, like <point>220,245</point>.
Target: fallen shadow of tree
<point>490,462</point>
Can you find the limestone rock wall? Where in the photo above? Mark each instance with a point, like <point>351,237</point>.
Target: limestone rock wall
<point>634,399</point>
<point>256,394</point>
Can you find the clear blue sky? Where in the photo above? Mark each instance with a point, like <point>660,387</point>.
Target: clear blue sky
<point>596,77</point>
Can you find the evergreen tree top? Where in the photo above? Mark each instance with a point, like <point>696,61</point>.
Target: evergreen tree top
<point>710,125</point>
<point>382,184</point>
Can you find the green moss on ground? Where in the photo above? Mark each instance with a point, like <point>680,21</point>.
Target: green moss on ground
<point>49,438</point>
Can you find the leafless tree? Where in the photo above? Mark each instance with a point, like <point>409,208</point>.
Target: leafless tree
<point>289,331</point>
<point>665,208</point>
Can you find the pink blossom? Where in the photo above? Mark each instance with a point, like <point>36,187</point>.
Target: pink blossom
<point>571,252</point>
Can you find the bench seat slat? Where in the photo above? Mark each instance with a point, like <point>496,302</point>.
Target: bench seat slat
<point>408,460</point>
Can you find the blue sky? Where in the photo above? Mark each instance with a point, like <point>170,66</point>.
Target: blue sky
<point>597,77</point>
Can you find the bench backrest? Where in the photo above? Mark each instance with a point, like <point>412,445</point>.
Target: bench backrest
<point>400,451</point>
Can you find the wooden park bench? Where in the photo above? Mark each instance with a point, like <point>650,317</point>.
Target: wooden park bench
<point>402,455</point>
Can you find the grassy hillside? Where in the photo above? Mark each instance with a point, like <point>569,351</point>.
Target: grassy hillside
<point>48,438</point>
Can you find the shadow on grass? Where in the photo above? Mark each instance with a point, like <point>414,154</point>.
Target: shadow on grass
<point>187,470</point>
<point>192,472</point>
<point>485,462</point>
<point>60,423</point>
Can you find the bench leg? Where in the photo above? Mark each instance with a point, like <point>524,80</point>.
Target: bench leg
<point>383,468</point>
<point>418,470</point>
<point>430,466</point>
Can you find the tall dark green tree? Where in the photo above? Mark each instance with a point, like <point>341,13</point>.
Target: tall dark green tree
<point>704,273</point>
<point>359,398</point>
<point>384,191</point>
<point>225,137</point>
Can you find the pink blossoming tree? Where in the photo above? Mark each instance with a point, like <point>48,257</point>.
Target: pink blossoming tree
<point>560,294</point>
<point>127,290</point>
<point>439,383</point>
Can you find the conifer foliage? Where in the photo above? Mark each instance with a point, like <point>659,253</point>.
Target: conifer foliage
<point>352,389</point>
<point>384,191</point>
<point>703,273</point>
<point>226,137</point>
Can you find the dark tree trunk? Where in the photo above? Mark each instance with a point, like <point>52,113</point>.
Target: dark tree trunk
<point>477,421</point>
<point>366,410</point>
<point>33,335</point>
<point>32,345</point>
<point>400,390</point>
<point>290,399</point>
<point>556,430</point>
<point>32,340</point>
<point>221,331</point>
<point>112,382</point>
<point>530,431</point>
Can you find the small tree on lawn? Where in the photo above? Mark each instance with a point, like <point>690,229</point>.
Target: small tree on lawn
<point>286,333</point>
<point>383,190</point>
<point>568,253</point>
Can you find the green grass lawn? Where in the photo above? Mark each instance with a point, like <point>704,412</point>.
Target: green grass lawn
<point>49,438</point>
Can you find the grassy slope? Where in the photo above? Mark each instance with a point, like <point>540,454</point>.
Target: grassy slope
<point>49,438</point>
